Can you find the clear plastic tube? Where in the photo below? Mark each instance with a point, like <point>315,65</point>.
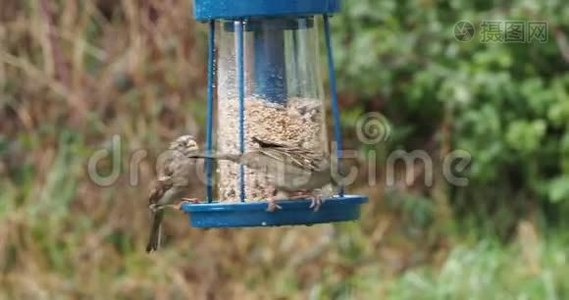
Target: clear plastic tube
<point>283,95</point>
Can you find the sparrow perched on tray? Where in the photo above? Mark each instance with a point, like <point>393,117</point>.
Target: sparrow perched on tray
<point>175,169</point>
<point>290,169</point>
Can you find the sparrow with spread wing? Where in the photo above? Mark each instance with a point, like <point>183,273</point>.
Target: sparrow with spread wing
<point>175,169</point>
<point>290,169</point>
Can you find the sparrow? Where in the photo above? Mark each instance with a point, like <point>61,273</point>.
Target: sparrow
<point>289,169</point>
<point>175,169</point>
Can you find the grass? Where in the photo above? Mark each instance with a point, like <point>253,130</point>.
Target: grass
<point>489,271</point>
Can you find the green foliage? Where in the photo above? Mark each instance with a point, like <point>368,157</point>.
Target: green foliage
<point>507,103</point>
<point>488,271</point>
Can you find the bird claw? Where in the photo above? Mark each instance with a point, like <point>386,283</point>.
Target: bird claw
<point>316,202</point>
<point>315,198</point>
<point>191,200</point>
<point>273,206</point>
<point>154,207</point>
<point>187,201</point>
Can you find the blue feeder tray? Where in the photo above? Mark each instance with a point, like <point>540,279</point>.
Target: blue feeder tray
<point>254,214</point>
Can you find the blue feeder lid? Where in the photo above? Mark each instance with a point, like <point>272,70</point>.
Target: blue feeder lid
<point>235,9</point>
<point>254,214</point>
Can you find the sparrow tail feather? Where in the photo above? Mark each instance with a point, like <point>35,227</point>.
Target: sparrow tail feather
<point>155,231</point>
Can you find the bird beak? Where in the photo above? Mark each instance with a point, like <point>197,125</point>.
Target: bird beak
<point>191,144</point>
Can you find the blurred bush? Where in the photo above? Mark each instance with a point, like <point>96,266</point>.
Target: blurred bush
<point>507,104</point>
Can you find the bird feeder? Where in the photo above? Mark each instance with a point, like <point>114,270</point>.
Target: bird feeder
<point>264,73</point>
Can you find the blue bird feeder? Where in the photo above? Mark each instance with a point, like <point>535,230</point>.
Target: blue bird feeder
<point>263,62</point>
